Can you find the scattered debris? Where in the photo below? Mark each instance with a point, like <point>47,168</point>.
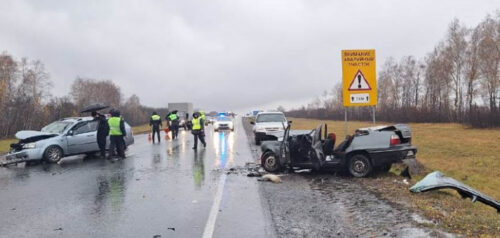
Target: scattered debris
<point>58,229</point>
<point>270,177</point>
<point>406,173</point>
<point>302,171</point>
<point>171,228</point>
<point>13,209</point>
<point>156,236</point>
<point>254,174</point>
<point>436,180</point>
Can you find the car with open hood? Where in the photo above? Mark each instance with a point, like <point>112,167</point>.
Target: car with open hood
<point>368,149</point>
<point>68,136</point>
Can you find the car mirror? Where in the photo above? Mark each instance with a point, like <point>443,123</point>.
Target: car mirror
<point>252,122</point>
<point>70,133</point>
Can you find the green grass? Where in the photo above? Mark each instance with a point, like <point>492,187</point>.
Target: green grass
<point>471,156</point>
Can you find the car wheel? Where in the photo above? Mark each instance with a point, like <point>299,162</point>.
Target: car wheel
<point>53,154</point>
<point>270,162</point>
<point>359,165</point>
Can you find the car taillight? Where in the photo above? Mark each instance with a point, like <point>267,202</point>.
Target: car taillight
<point>395,140</point>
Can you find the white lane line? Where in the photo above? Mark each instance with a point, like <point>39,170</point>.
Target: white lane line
<point>214,211</point>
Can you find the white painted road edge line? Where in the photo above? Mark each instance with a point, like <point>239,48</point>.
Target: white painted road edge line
<point>214,211</point>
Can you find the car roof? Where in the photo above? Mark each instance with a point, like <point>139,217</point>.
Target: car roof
<point>270,113</point>
<point>77,119</point>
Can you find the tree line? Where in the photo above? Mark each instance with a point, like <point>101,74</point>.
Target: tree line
<point>458,81</point>
<point>26,102</point>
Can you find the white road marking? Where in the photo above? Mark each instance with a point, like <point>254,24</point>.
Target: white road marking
<point>214,211</point>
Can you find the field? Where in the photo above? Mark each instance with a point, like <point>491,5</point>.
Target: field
<point>471,156</point>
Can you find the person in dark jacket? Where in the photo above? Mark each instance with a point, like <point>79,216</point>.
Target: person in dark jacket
<point>116,134</point>
<point>155,123</point>
<point>102,132</point>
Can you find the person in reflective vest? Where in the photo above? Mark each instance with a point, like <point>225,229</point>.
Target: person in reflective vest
<point>155,124</point>
<point>198,130</point>
<point>173,123</point>
<point>116,134</point>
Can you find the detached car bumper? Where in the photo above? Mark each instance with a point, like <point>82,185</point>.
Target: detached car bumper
<point>392,155</point>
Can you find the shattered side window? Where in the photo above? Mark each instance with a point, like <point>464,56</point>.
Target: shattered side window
<point>57,127</point>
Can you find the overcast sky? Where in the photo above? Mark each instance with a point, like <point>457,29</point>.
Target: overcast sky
<point>222,55</point>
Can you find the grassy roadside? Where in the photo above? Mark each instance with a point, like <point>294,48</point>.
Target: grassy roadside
<point>471,156</point>
<point>5,143</point>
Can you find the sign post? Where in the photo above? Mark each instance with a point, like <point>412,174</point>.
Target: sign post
<point>359,80</point>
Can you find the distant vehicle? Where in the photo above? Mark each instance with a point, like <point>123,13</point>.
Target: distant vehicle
<point>369,149</point>
<point>223,123</point>
<point>209,120</point>
<point>68,136</point>
<point>267,124</point>
<point>184,111</point>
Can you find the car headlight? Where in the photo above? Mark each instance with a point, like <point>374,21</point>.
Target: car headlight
<point>31,145</point>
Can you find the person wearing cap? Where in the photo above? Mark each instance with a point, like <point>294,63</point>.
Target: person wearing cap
<point>198,130</point>
<point>155,124</point>
<point>102,132</point>
<point>116,134</point>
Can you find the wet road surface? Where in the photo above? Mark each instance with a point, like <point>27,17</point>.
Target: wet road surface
<point>162,189</point>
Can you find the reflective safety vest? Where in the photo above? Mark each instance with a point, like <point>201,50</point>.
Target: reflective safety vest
<point>114,126</point>
<point>196,123</point>
<point>155,118</point>
<point>173,117</point>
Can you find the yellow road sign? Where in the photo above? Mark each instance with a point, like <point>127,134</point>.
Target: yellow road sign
<point>359,78</point>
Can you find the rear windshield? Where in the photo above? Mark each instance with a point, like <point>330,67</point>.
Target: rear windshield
<point>57,127</point>
<point>271,118</point>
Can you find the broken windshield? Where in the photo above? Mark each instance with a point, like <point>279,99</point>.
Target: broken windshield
<point>57,127</point>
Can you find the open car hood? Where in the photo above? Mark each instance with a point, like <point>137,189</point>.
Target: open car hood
<point>436,180</point>
<point>23,135</point>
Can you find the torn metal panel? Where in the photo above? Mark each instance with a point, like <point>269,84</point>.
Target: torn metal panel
<point>436,180</point>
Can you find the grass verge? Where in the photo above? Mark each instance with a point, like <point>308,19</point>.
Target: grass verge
<point>471,156</point>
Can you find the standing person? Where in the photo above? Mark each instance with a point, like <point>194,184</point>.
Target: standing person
<point>198,130</point>
<point>155,123</point>
<point>173,120</point>
<point>116,134</point>
<point>102,132</point>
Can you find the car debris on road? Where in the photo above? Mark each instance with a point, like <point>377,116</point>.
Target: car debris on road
<point>436,180</point>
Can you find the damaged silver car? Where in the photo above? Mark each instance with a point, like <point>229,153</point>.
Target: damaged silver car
<point>369,149</point>
<point>68,136</point>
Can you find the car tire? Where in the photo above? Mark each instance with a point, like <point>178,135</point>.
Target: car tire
<point>270,162</point>
<point>53,154</point>
<point>360,166</point>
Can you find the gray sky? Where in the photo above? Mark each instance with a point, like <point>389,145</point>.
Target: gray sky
<point>222,55</point>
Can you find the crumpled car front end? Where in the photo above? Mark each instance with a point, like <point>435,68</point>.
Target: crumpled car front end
<point>31,146</point>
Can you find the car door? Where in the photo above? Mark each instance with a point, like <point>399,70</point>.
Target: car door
<point>83,138</point>
<point>317,146</point>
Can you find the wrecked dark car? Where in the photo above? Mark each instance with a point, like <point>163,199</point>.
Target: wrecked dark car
<point>369,149</point>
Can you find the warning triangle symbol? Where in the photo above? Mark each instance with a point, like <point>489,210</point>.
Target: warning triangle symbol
<point>359,82</point>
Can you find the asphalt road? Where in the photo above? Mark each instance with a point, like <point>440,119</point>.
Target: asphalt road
<point>159,190</point>
<point>169,190</point>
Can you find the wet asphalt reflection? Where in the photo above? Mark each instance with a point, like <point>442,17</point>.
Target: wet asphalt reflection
<point>164,189</point>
